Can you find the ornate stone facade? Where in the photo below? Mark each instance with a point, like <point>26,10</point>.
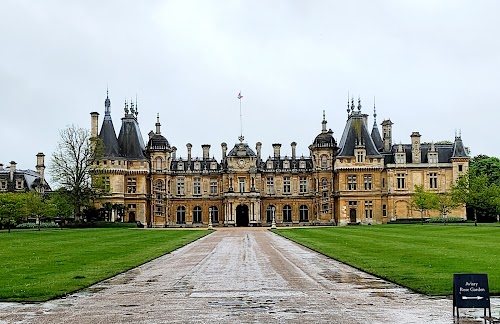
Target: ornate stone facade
<point>16,180</point>
<point>362,179</point>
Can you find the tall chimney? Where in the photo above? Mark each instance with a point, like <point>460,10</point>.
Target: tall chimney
<point>1,167</point>
<point>224,150</point>
<point>94,121</point>
<point>189,146</point>
<point>12,170</point>
<point>206,151</point>
<point>294,146</point>
<point>174,150</point>
<point>258,147</point>
<point>415,147</point>
<point>40,165</point>
<point>276,148</point>
<point>387,134</point>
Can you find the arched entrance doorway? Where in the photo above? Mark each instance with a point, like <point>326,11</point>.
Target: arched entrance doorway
<point>242,215</point>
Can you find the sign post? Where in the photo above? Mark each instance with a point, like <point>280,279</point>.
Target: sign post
<point>471,291</point>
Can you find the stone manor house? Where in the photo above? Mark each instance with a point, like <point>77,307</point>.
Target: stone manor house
<point>362,179</point>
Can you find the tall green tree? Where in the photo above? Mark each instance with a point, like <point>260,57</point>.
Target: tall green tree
<point>73,161</point>
<point>423,200</point>
<point>11,208</point>
<point>477,192</point>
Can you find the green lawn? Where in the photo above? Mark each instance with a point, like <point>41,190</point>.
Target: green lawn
<point>40,265</point>
<point>420,257</point>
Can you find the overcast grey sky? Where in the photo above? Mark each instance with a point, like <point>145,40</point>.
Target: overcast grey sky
<point>434,67</point>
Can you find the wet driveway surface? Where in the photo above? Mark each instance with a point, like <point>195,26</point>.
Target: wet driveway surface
<point>234,276</point>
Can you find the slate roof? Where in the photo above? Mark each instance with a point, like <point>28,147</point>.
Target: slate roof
<point>458,148</point>
<point>108,137</point>
<point>445,152</point>
<point>241,149</point>
<point>130,139</point>
<point>377,139</point>
<point>31,179</point>
<point>356,133</point>
<point>279,162</point>
<point>189,165</point>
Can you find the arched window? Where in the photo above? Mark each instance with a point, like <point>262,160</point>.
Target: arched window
<point>215,214</point>
<point>269,213</point>
<point>324,184</point>
<point>324,161</point>
<point>181,215</point>
<point>303,214</point>
<point>197,214</point>
<point>287,214</point>
<point>159,164</point>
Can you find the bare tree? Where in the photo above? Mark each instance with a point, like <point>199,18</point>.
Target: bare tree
<point>72,164</point>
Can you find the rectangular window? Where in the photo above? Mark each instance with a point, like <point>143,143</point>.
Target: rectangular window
<point>367,180</point>
<point>106,184</point>
<point>324,194</point>
<point>159,210</point>
<point>196,186</point>
<point>351,182</point>
<point>384,210</point>
<point>213,186</point>
<point>303,184</point>
<point>383,182</point>
<point>302,164</point>
<point>180,186</point>
<point>3,185</point>
<point>460,168</point>
<point>131,185</point>
<point>401,180</point>
<point>433,180</point>
<point>286,185</point>
<point>158,200</point>
<point>360,157</point>
<point>241,184</point>
<point>270,185</point>
<point>286,164</point>
<point>368,209</point>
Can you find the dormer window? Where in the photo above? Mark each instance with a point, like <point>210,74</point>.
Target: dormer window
<point>433,157</point>
<point>286,164</point>
<point>269,164</point>
<point>3,185</point>
<point>180,166</point>
<point>197,166</point>
<point>302,164</point>
<point>400,158</point>
<point>213,165</point>
<point>360,157</point>
<point>19,184</point>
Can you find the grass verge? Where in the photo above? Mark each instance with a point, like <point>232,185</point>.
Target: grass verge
<point>40,265</point>
<point>420,257</point>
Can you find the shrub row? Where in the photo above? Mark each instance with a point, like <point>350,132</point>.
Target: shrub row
<point>35,225</point>
<point>448,220</point>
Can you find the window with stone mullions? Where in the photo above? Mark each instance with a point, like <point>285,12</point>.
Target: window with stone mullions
<point>213,187</point>
<point>270,185</point>
<point>303,185</point>
<point>286,185</point>
<point>401,180</point>
<point>367,180</point>
<point>368,209</point>
<point>196,186</point>
<point>433,180</point>
<point>131,185</point>
<point>180,186</point>
<point>351,182</point>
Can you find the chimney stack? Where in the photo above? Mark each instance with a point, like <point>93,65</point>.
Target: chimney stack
<point>258,147</point>
<point>1,167</point>
<point>94,121</point>
<point>276,148</point>
<point>294,146</point>
<point>189,146</point>
<point>158,132</point>
<point>40,165</point>
<point>12,170</point>
<point>224,150</point>
<point>174,151</point>
<point>206,151</point>
<point>415,147</point>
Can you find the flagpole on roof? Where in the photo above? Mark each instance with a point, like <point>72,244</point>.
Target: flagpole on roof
<point>241,138</point>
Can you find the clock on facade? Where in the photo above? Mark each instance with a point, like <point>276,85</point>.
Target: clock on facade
<point>241,163</point>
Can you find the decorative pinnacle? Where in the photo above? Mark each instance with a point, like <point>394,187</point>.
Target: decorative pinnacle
<point>348,109</point>
<point>241,138</point>
<point>126,107</point>
<point>359,104</point>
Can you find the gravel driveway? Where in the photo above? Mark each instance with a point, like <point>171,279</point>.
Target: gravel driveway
<point>238,276</point>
